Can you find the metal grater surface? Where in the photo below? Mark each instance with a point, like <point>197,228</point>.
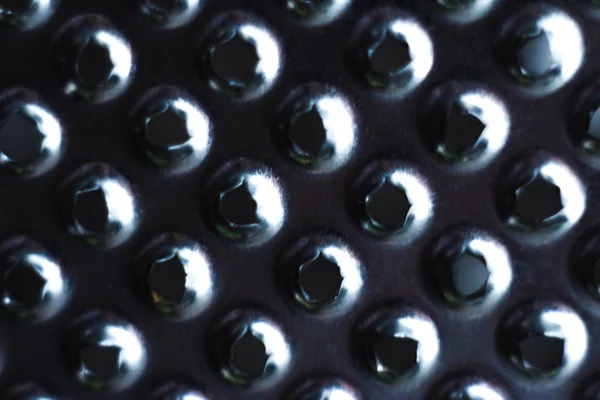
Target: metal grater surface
<point>299,199</point>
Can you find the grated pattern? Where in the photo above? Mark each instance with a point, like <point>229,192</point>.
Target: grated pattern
<point>299,199</point>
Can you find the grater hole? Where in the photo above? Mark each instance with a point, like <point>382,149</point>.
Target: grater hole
<point>390,55</point>
<point>394,51</point>
<point>469,267</point>
<point>468,280</point>
<point>96,62</point>
<point>167,280</point>
<point>320,281</point>
<point>466,126</point>
<point>91,211</point>
<point>399,343</point>
<point>393,201</point>
<point>30,135</point>
<point>94,65</point>
<point>248,356</point>
<point>537,201</point>
<point>238,207</point>
<point>308,134</point>
<point>99,207</point>
<point>245,203</point>
<point>24,286</point>
<point>176,275</point>
<point>34,286</point>
<point>542,353</point>
<point>534,56</point>
<point>395,355</point>
<point>317,128</point>
<point>167,129</point>
<point>251,349</point>
<point>388,207</point>
<point>20,140</point>
<point>541,195</point>
<point>107,352</point>
<point>171,130</point>
<point>241,59</point>
<point>234,62</point>
<point>544,340</point>
<point>101,362</point>
<point>470,276</point>
<point>545,47</point>
<point>463,131</point>
<point>325,275</point>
